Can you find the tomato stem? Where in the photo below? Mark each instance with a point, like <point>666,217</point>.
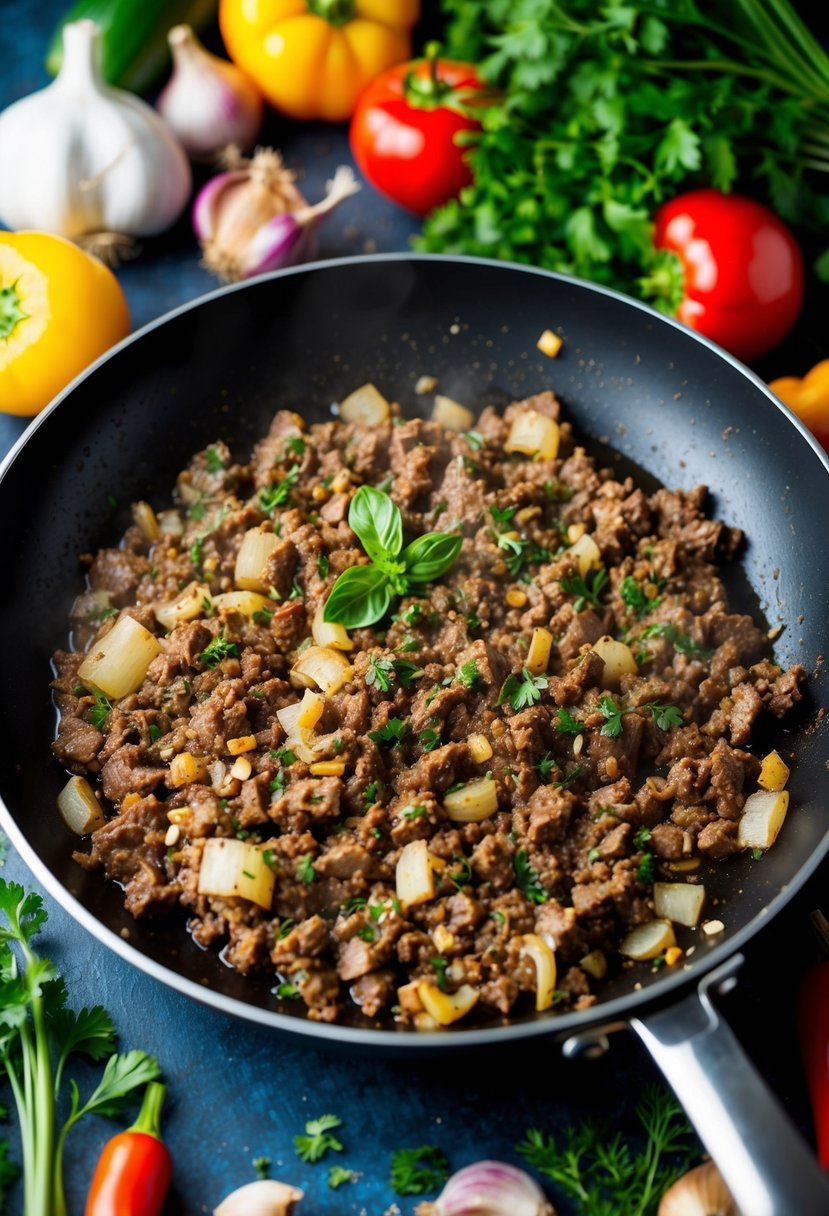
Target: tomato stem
<point>335,12</point>
<point>149,1116</point>
<point>11,311</point>
<point>427,92</point>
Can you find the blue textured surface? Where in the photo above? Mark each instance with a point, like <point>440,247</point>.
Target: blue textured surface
<point>237,1092</point>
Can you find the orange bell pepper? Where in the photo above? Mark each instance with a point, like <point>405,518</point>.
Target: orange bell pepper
<point>312,58</point>
<point>808,397</point>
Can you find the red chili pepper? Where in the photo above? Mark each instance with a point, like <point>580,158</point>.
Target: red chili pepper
<point>405,126</point>
<point>812,1016</point>
<point>135,1167</point>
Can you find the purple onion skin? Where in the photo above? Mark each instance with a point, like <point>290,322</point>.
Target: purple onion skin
<point>491,1188</point>
<point>279,243</point>
<point>203,217</point>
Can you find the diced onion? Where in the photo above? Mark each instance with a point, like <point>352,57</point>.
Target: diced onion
<point>472,802</point>
<point>408,997</point>
<point>533,434</point>
<point>118,663</point>
<point>414,875</point>
<point>762,818</point>
<point>680,902</point>
<point>254,551</point>
<point>79,808</point>
<point>480,748</point>
<point>595,964</point>
<point>185,768</point>
<point>451,414</point>
<point>90,605</point>
<point>444,940</point>
<point>544,959</point>
<point>549,343</point>
<point>236,867</point>
<point>146,520</point>
<point>188,604</point>
<point>302,715</point>
<point>447,1007</point>
<point>538,654</point>
<point>330,633</point>
<point>171,523</point>
<point>587,553</point>
<point>618,661</point>
<point>328,669</point>
<point>245,602</point>
<point>774,772</point>
<point>648,940</point>
<point>366,406</point>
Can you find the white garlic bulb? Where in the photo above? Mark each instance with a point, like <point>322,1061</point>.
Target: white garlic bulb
<point>81,157</point>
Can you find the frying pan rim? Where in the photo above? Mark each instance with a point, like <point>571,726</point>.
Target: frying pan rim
<point>665,988</point>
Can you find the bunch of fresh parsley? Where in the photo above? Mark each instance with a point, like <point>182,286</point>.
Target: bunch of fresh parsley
<point>601,112</point>
<point>38,1034</point>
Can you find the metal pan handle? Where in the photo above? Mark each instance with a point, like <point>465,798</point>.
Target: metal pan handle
<point>765,1162</point>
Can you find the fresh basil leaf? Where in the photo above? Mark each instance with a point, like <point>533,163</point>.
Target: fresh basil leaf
<point>377,523</point>
<point>360,596</point>
<point>430,556</point>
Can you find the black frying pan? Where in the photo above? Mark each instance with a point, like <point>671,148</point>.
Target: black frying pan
<point>632,382</point>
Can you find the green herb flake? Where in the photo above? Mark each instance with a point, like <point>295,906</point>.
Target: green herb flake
<point>414,812</point>
<point>98,713</point>
<point>220,648</point>
<point>369,794</point>
<point>439,964</point>
<point>279,494</point>
<point>338,1175</point>
<point>262,1166</point>
<point>213,460</point>
<point>414,1171</point>
<point>305,871</point>
<point>323,565</point>
<point>585,589</point>
<point>392,733</point>
<point>318,1139</point>
<point>527,879</point>
<point>468,674</point>
<point>429,739</point>
<point>566,724</point>
<point>475,440</point>
<point>524,692</point>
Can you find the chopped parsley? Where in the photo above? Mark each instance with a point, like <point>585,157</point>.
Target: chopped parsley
<point>318,1139</point>
<point>527,879</point>
<point>380,673</point>
<point>279,495</point>
<point>284,755</point>
<point>679,640</point>
<point>665,716</point>
<point>641,836</point>
<point>323,565</point>
<point>545,766</point>
<point>338,1174</point>
<point>473,622</point>
<point>414,812</point>
<point>393,732</point>
<point>646,871</point>
<point>612,714</point>
<point>262,1166</point>
<point>98,713</point>
<point>408,644</point>
<point>411,615</point>
<point>407,672</point>
<point>439,965</point>
<point>568,779</point>
<point>286,925</point>
<point>468,674</point>
<point>635,598</point>
<point>429,739</point>
<point>153,732</point>
<point>262,616</point>
<point>295,445</point>
<point>305,871</point>
<point>475,440</point>
<point>587,589</point>
<point>213,460</point>
<point>523,692</point>
<point>502,515</point>
<point>368,933</point>
<point>220,648</point>
<point>355,903</point>
<point>566,724</point>
<point>286,991</point>
<point>463,875</point>
<point>417,1170</point>
<point>369,794</point>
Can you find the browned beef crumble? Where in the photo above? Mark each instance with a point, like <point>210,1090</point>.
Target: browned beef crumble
<point>581,811</point>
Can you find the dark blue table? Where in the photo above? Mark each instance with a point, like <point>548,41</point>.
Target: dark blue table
<point>237,1092</point>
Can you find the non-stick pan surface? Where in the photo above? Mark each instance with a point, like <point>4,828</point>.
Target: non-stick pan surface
<point>634,384</point>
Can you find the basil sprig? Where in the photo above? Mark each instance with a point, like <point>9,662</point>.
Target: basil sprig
<point>362,594</point>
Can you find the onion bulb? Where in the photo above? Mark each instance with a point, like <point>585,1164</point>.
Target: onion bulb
<point>489,1188</point>
<point>266,1197</point>
<point>700,1192</point>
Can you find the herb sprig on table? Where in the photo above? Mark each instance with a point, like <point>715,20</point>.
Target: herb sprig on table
<point>362,594</point>
<point>605,111</point>
<point>38,1035</point>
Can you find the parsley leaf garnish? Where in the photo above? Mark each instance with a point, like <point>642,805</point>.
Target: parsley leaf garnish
<point>393,732</point>
<point>338,1174</point>
<point>380,672</point>
<point>369,794</point>
<point>566,724</point>
<point>98,713</point>
<point>634,597</point>
<point>475,440</point>
<point>527,880</point>
<point>220,648</point>
<point>318,1139</point>
<point>468,674</point>
<point>586,589</point>
<point>305,871</point>
<point>279,495</point>
<point>429,739</point>
<point>665,716</point>
<point>523,692</point>
<point>612,714</point>
<point>417,1170</point>
<point>545,766</point>
<point>213,460</point>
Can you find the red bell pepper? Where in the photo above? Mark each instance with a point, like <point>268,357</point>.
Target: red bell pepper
<point>812,1016</point>
<point>135,1167</point>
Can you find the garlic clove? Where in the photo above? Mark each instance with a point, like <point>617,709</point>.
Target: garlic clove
<point>489,1188</point>
<point>266,1197</point>
<point>699,1192</point>
<point>208,102</point>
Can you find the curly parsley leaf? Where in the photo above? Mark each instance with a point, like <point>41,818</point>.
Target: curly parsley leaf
<point>279,494</point>
<point>220,648</point>
<point>566,724</point>
<point>522,692</point>
<point>635,598</point>
<point>318,1139</point>
<point>527,879</point>
<point>417,1170</point>
<point>612,714</point>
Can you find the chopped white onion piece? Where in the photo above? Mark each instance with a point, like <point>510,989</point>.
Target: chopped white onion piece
<point>236,867</point>
<point>171,523</point>
<point>538,654</point>
<point>648,940</point>
<point>328,669</point>
<point>330,633</point>
<point>680,902</point>
<point>146,520</point>
<point>244,602</point>
<point>595,964</point>
<point>414,874</point>
<point>544,959</point>
<point>117,664</point>
<point>473,802</point>
<point>451,414</point>
<point>366,406</point>
<point>187,606</point>
<point>254,551</point>
<point>533,434</point>
<point>265,1197</point>
<point>762,818</point>
<point>79,808</point>
<point>618,661</point>
<point>302,715</point>
<point>447,1007</point>
<point>587,553</point>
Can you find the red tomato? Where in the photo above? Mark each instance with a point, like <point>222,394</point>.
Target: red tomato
<point>404,127</point>
<point>743,269</point>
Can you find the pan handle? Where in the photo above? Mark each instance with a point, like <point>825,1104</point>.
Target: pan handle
<point>765,1162</point>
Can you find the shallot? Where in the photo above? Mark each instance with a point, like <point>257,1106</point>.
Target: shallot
<point>489,1188</point>
<point>252,218</point>
<point>266,1197</point>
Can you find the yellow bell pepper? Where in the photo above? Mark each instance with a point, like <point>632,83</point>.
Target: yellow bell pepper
<point>808,397</point>
<point>312,58</point>
<point>60,308</point>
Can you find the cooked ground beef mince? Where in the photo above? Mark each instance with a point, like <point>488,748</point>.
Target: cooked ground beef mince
<point>582,777</point>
